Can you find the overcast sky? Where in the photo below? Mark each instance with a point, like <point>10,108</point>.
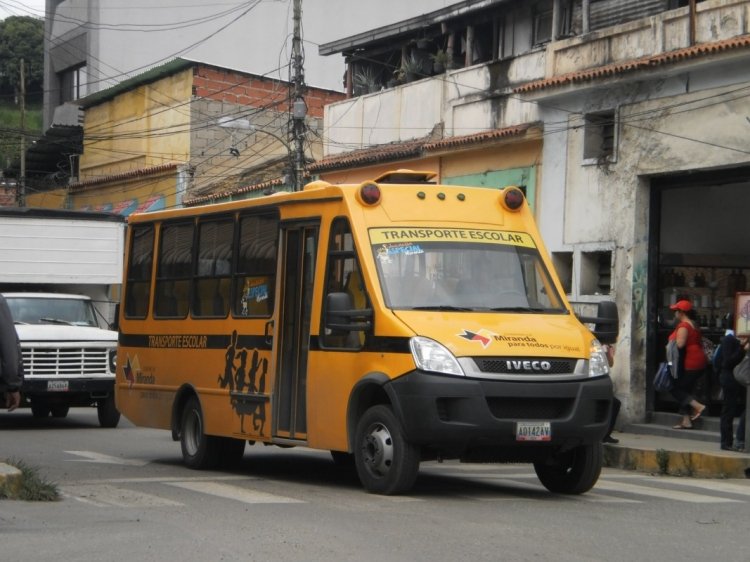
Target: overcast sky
<point>21,8</point>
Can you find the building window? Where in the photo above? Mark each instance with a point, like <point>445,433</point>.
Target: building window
<point>596,273</point>
<point>563,262</point>
<point>599,137</point>
<point>73,82</point>
<point>542,19</point>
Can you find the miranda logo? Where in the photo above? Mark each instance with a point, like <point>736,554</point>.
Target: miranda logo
<point>527,365</point>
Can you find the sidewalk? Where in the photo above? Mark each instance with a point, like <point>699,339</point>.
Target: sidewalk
<point>676,456</point>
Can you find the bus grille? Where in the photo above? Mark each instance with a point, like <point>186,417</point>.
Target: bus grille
<point>65,362</point>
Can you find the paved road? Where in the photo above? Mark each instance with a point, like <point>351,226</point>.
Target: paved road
<point>127,496</point>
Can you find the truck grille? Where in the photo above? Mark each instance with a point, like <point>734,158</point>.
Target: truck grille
<point>65,362</point>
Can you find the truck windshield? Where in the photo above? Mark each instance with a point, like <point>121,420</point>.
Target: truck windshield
<point>465,276</point>
<point>51,310</point>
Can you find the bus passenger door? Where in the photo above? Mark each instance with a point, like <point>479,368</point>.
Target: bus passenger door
<point>299,245</point>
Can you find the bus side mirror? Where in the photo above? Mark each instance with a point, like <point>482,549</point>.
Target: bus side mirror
<point>342,318</point>
<point>606,322</point>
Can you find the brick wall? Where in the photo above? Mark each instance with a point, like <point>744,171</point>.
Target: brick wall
<point>255,91</point>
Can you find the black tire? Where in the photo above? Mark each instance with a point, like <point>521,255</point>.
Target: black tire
<point>107,412</point>
<point>342,459</point>
<point>59,410</point>
<point>199,451</point>
<point>40,409</point>
<point>572,472</point>
<point>386,462</point>
<point>231,451</point>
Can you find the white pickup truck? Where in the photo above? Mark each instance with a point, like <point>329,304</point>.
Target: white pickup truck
<point>59,272</point>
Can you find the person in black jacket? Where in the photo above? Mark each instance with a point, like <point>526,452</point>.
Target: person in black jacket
<point>11,366</point>
<point>732,351</point>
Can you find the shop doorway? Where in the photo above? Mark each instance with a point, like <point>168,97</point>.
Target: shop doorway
<point>697,252</point>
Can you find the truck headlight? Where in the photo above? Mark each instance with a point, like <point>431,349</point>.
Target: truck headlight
<point>431,356</point>
<point>113,360</point>
<point>598,363</point>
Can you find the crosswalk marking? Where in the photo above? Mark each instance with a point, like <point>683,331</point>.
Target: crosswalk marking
<point>660,492</point>
<point>105,495</point>
<point>91,456</point>
<point>233,492</point>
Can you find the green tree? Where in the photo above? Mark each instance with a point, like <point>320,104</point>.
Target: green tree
<point>22,37</point>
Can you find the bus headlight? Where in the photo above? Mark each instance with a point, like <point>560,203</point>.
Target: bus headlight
<point>431,356</point>
<point>598,363</point>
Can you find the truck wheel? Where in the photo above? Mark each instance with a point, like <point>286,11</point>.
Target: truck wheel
<point>59,410</point>
<point>199,451</point>
<point>108,414</point>
<point>39,409</point>
<point>386,462</point>
<point>573,472</point>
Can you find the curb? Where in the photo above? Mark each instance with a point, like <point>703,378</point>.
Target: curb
<point>677,463</point>
<point>11,480</point>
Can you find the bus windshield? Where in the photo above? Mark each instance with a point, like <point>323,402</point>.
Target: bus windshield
<point>452,276</point>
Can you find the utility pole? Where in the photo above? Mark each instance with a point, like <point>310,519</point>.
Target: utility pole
<point>299,108</point>
<point>21,185</point>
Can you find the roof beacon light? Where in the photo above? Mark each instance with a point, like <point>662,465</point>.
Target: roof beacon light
<point>369,193</point>
<point>512,198</point>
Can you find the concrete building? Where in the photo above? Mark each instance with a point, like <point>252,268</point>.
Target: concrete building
<point>625,121</point>
<point>179,131</point>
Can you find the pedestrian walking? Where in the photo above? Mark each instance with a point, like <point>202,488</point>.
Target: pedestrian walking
<point>11,361</point>
<point>731,351</point>
<point>691,363</point>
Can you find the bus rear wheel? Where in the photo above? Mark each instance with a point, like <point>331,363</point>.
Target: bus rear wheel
<point>573,472</point>
<point>386,462</point>
<point>199,451</point>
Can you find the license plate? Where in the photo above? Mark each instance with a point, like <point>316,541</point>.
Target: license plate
<point>533,431</point>
<point>57,386</point>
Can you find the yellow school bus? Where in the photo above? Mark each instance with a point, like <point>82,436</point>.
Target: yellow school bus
<point>389,322</point>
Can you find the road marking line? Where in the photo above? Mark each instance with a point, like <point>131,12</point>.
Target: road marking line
<point>660,493</point>
<point>717,486</point>
<point>104,495</point>
<point>91,456</point>
<point>160,479</point>
<point>233,492</point>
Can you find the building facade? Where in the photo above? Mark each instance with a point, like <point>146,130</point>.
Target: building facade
<point>179,131</point>
<point>637,173</point>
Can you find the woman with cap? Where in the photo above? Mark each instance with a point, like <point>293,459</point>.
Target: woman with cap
<point>691,364</point>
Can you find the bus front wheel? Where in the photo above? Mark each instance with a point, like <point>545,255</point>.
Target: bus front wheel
<point>573,472</point>
<point>199,451</point>
<point>386,462</point>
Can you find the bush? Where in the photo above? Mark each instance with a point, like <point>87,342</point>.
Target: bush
<point>33,486</point>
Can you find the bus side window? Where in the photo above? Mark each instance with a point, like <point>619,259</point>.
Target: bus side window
<point>213,268</point>
<point>140,265</point>
<point>343,274</point>
<point>174,271</point>
<point>255,275</point>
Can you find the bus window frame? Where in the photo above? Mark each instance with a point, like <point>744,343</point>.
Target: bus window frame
<point>241,277</point>
<point>160,279</point>
<point>131,281</point>
<point>198,278</point>
<point>357,339</point>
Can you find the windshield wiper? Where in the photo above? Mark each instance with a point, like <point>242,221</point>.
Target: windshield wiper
<point>444,307</point>
<point>517,309</point>
<point>56,321</point>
